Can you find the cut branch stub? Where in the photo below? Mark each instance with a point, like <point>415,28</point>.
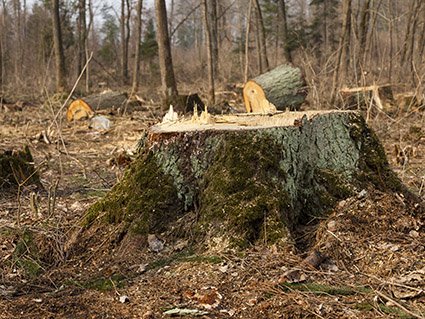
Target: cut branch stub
<point>279,89</point>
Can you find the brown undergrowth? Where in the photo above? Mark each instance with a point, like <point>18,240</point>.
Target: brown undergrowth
<point>373,241</point>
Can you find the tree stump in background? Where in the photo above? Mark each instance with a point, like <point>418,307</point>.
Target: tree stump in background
<point>17,169</point>
<point>244,179</point>
<point>281,88</point>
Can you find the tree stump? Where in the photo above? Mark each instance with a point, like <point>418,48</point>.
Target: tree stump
<point>281,88</point>
<point>237,180</point>
<point>17,169</point>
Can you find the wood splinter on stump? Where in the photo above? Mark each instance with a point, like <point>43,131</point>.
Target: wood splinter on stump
<point>238,180</point>
<point>279,89</point>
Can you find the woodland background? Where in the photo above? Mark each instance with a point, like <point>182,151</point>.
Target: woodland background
<point>44,45</point>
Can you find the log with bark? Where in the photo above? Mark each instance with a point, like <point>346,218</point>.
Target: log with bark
<point>237,180</point>
<point>279,89</point>
<point>106,100</point>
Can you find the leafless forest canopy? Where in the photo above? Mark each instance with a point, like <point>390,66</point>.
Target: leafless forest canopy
<point>44,45</point>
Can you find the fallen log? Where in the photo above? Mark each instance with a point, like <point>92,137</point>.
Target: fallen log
<point>106,100</point>
<point>279,89</point>
<point>237,180</point>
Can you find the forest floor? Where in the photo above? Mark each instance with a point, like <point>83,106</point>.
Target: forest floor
<point>374,241</point>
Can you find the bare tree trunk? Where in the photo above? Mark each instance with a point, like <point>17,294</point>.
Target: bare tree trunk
<point>3,46</point>
<point>347,39</point>
<point>421,42</point>
<point>58,47</point>
<point>409,57</point>
<point>248,24</point>
<point>125,38</point>
<point>341,62</point>
<point>370,42</point>
<point>286,48</point>
<point>207,27</point>
<point>405,48</point>
<point>213,23</point>
<point>258,45</point>
<point>262,36</point>
<point>18,41</point>
<point>363,31</point>
<point>169,85</point>
<point>89,31</point>
<point>82,34</point>
<point>391,31</point>
<point>137,55</point>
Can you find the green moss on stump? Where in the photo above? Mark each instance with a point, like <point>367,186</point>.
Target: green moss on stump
<point>17,167</point>
<point>246,186</point>
<point>145,199</point>
<point>241,191</point>
<point>373,164</point>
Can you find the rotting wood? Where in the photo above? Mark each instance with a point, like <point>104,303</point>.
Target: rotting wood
<point>279,89</point>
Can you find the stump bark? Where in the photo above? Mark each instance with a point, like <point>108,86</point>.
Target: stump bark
<point>17,169</point>
<point>281,88</point>
<point>243,179</point>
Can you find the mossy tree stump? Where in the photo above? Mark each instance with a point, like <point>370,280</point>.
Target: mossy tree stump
<point>17,169</point>
<point>245,179</point>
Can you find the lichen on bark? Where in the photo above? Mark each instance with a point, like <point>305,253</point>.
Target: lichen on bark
<point>246,186</point>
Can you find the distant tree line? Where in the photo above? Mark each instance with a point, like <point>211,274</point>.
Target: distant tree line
<point>209,43</point>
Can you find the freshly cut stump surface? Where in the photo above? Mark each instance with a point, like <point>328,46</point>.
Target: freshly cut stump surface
<point>244,179</point>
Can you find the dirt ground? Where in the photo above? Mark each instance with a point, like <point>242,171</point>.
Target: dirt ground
<point>373,243</point>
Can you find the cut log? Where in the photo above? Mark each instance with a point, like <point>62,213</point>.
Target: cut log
<point>17,169</point>
<point>106,100</point>
<point>279,89</point>
<point>79,110</point>
<point>238,180</point>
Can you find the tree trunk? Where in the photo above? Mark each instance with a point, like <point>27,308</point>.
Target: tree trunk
<point>137,54</point>
<point>363,31</point>
<point>343,50</point>
<point>286,47</point>
<point>210,54</point>
<point>82,35</point>
<point>125,38</point>
<point>213,23</point>
<point>421,41</point>
<point>243,180</point>
<point>58,46</point>
<point>169,85</point>
<point>281,88</point>
<point>248,27</point>
<point>262,36</point>
<point>90,30</point>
